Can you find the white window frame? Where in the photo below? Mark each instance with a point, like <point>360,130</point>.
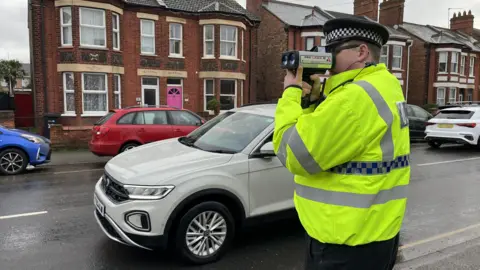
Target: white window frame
<point>170,38</point>
<point>471,69</point>
<point>116,17</point>
<point>446,62</point>
<point>235,56</point>
<point>385,56</point>
<point>229,95</point>
<point>306,42</point>
<point>205,109</point>
<point>450,99</point>
<point>454,64</point>
<point>65,91</point>
<point>118,92</point>
<point>400,57</point>
<point>68,25</point>
<point>104,27</point>
<point>463,59</point>
<point>142,21</point>
<point>205,40</point>
<point>94,113</point>
<point>441,98</point>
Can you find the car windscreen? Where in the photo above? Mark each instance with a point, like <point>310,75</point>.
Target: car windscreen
<point>229,132</point>
<point>104,119</point>
<point>454,114</point>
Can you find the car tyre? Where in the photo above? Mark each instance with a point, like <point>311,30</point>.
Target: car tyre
<point>434,144</point>
<point>128,146</point>
<point>17,161</point>
<point>216,235</point>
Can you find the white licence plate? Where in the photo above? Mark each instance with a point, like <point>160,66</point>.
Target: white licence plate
<point>99,205</point>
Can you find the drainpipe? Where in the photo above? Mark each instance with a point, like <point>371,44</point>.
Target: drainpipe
<point>408,68</point>
<point>250,68</point>
<point>427,72</point>
<point>44,64</point>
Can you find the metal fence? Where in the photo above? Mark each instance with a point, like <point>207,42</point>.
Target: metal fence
<point>6,102</point>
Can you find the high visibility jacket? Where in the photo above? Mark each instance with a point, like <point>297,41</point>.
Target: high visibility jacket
<point>349,155</point>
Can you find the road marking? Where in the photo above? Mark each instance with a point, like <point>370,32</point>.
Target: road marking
<point>24,215</point>
<point>448,161</point>
<point>80,171</point>
<point>440,236</point>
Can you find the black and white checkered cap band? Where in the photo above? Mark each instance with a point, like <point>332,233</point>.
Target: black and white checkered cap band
<point>349,32</point>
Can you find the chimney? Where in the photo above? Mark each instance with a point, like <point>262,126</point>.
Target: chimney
<point>367,8</point>
<point>391,12</point>
<point>462,22</point>
<point>254,5</point>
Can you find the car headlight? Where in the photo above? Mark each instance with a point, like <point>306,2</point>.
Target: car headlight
<point>31,138</point>
<point>148,192</point>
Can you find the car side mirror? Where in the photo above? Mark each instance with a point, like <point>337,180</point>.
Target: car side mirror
<point>267,150</point>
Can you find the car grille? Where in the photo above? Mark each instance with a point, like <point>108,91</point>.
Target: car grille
<point>114,190</point>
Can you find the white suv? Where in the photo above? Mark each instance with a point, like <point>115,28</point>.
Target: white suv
<point>195,192</point>
<point>454,125</point>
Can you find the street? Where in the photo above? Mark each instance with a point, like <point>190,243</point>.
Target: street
<point>47,222</point>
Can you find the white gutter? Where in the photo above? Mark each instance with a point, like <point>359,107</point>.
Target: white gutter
<point>408,69</point>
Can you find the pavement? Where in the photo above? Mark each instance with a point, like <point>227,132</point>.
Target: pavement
<point>47,222</point>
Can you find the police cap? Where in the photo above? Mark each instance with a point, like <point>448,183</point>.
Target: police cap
<point>341,30</point>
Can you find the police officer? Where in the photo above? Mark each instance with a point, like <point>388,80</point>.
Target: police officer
<point>349,153</point>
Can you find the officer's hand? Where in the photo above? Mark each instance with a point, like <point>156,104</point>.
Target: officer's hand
<point>306,89</point>
<point>292,79</point>
<point>317,87</point>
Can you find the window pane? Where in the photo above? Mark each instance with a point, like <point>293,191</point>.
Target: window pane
<point>227,87</point>
<point>149,81</point>
<point>443,57</point>
<point>147,27</point>
<point>209,32</point>
<point>67,15</point>
<point>115,22</point>
<point>92,36</point>
<point>70,102</point>
<point>95,102</point>
<point>92,17</point>
<point>139,119</point>
<point>310,43</point>
<point>227,48</point>
<point>181,118</point>
<point>174,81</point>
<point>155,117</point>
<point>69,81</point>
<point>117,101</point>
<point>227,102</point>
<point>67,35</point>
<point>227,33</point>
<point>209,48</point>
<point>115,40</point>
<point>94,82</point>
<point>396,62</point>
<point>209,87</point>
<point>175,46</point>
<point>397,50</point>
<point>175,31</point>
<point>148,44</point>
<point>126,119</point>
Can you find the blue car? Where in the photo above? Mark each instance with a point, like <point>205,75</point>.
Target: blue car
<point>19,148</point>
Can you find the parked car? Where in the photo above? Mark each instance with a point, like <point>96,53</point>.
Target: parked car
<point>459,124</point>
<point>124,129</point>
<point>19,148</point>
<point>195,189</point>
<point>418,119</point>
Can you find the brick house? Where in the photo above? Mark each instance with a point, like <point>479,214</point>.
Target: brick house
<point>445,66</point>
<point>286,26</point>
<point>91,56</point>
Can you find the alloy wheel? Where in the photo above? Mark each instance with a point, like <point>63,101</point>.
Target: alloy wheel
<point>11,162</point>
<point>206,233</point>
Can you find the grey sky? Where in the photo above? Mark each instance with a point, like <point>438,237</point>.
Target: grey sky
<point>14,27</point>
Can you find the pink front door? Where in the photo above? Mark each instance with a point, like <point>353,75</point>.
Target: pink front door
<point>174,96</point>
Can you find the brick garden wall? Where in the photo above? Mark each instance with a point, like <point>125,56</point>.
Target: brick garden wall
<point>7,119</point>
<point>73,136</point>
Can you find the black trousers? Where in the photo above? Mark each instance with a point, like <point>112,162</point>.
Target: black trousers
<point>373,256</point>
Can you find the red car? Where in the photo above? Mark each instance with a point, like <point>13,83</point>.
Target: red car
<point>123,129</point>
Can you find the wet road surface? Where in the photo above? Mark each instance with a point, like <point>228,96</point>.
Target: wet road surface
<point>61,232</point>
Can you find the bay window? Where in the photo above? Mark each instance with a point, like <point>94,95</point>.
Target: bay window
<point>147,33</point>
<point>94,88</point>
<point>228,94</point>
<point>208,41</point>
<point>442,62</point>
<point>452,95</point>
<point>208,93</point>
<point>384,55</point>
<point>472,66</point>
<point>454,62</point>
<point>117,87</point>
<point>440,96</point>
<point>92,28</point>
<point>116,31</point>
<point>228,41</point>
<point>397,57</point>
<point>66,26</point>
<point>68,93</point>
<point>176,39</point>
<point>462,64</point>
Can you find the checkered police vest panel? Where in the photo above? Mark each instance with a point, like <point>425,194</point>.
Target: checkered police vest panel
<point>342,33</point>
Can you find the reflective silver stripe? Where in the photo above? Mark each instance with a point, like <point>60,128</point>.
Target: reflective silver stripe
<point>386,144</point>
<point>292,139</point>
<point>351,199</point>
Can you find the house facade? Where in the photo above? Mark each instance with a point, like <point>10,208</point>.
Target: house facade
<point>91,56</point>
<point>287,26</point>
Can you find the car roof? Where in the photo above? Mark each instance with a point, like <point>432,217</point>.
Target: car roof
<point>260,109</point>
<point>466,108</point>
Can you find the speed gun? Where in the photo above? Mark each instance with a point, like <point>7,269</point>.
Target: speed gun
<point>313,62</point>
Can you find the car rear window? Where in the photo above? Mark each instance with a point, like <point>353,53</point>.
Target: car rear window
<point>104,119</point>
<point>454,114</point>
